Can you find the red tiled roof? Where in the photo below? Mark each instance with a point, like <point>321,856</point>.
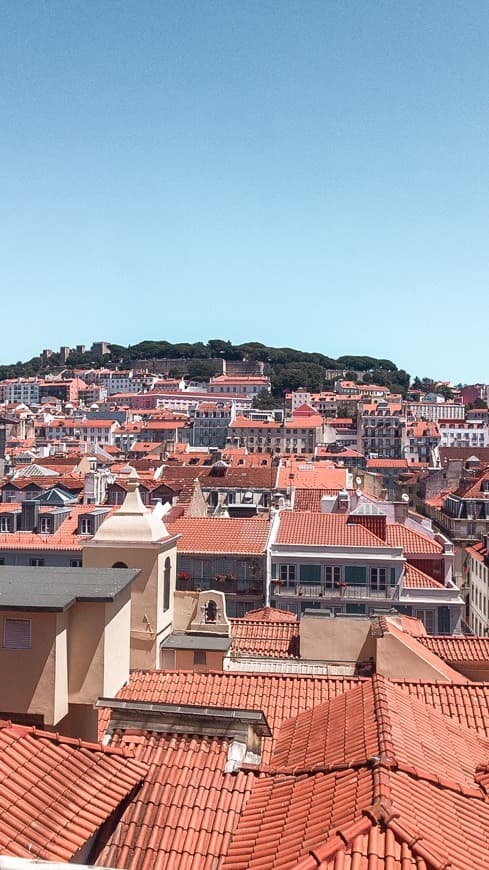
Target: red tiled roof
<point>412,542</point>
<point>221,535</point>
<point>387,463</point>
<point>65,538</point>
<point>270,614</point>
<point>57,791</point>
<point>458,649</point>
<point>312,475</point>
<point>279,696</point>
<point>268,638</point>
<point>373,756</point>
<point>187,810</point>
<point>310,499</point>
<point>416,579</point>
<point>325,530</point>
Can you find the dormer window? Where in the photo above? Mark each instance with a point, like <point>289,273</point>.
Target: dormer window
<point>45,525</point>
<point>85,526</point>
<point>5,524</point>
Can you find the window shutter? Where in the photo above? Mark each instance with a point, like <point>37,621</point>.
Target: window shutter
<point>17,634</point>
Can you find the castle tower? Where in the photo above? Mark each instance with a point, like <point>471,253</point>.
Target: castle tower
<point>136,537</point>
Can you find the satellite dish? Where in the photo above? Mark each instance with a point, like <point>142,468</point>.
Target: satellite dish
<point>405,497</point>
<point>358,481</point>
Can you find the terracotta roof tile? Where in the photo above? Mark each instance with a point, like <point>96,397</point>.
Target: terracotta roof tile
<point>372,755</point>
<point>458,649</point>
<point>186,811</point>
<point>64,539</point>
<point>221,535</point>
<point>267,638</point>
<point>399,535</point>
<point>279,696</point>
<point>310,499</point>
<point>416,579</point>
<point>270,614</point>
<point>324,530</point>
<point>57,792</point>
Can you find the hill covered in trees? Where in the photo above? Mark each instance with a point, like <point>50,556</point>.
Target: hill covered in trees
<point>287,367</point>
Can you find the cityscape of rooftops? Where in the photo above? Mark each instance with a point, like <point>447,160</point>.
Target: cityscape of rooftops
<point>244,581</point>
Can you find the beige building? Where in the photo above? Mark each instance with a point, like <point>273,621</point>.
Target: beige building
<point>201,636</point>
<point>65,641</point>
<point>136,537</point>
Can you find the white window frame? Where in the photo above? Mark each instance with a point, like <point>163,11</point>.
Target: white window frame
<point>287,573</point>
<point>45,525</point>
<point>378,579</point>
<point>85,526</point>
<point>332,575</point>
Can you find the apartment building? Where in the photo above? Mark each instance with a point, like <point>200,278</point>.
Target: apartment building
<point>358,563</point>
<point>463,433</point>
<point>477,584</point>
<point>210,423</point>
<point>244,385</point>
<point>300,434</point>
<point>382,430</point>
<point>432,412</point>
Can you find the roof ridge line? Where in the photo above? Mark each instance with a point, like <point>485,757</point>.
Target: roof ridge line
<point>340,840</point>
<point>443,782</point>
<point>415,843</point>
<point>383,719</point>
<point>354,764</point>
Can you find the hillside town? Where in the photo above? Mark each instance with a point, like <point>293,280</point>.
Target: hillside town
<point>242,627</point>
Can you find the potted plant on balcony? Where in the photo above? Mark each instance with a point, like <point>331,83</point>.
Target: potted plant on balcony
<point>183,577</point>
<point>341,585</point>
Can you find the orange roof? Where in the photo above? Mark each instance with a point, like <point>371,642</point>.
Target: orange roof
<point>458,649</point>
<point>312,421</point>
<point>416,579</point>
<point>372,758</point>
<point>58,791</point>
<point>412,788</point>
<point>310,499</point>
<point>187,809</point>
<point>312,475</point>
<point>221,535</point>
<point>280,696</point>
<point>412,542</point>
<point>387,463</point>
<point>64,539</point>
<point>326,530</point>
<point>268,638</point>
<point>270,614</point>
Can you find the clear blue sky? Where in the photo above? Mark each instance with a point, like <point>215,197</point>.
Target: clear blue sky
<point>310,174</point>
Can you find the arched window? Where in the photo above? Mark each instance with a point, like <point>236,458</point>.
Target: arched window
<point>210,613</point>
<point>119,565</point>
<point>166,584</point>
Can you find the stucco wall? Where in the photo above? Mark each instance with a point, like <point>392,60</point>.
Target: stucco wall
<point>336,640</point>
<point>28,677</point>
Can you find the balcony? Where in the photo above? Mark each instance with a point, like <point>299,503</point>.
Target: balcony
<point>319,590</point>
<point>236,586</point>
